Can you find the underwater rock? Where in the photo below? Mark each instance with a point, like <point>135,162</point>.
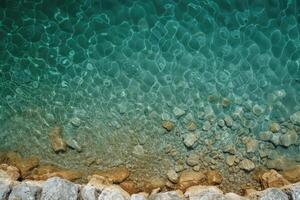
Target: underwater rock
<point>178,112</point>
<point>98,182</point>
<point>190,178</point>
<point>76,122</point>
<point>274,127</point>
<point>280,163</point>
<point>272,179</point>
<point>154,183</point>
<point>206,126</point>
<point>138,150</point>
<point>251,145</point>
<point>57,142</point>
<point>172,176</point>
<point>258,110</point>
<point>229,149</point>
<point>25,165</point>
<point>214,177</point>
<point>116,175</point>
<point>168,125</point>
<point>130,187</point>
<point>292,174</point>
<point>58,189</point>
<point>265,135</point>
<point>173,195</point>
<point>295,118</point>
<point>191,126</point>
<point>289,138</point>
<point>247,165</point>
<point>230,160</point>
<point>203,192</point>
<point>193,159</point>
<point>47,171</point>
<point>228,121</point>
<point>190,139</point>
<point>25,190</point>
<point>8,172</point>
<point>275,139</point>
<point>113,192</point>
<point>73,144</point>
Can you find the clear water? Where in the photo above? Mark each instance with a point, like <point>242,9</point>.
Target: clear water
<point>110,72</point>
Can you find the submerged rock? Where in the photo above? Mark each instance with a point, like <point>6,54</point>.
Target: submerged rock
<point>247,165</point>
<point>274,127</point>
<point>57,142</point>
<point>178,112</point>
<point>230,160</point>
<point>172,176</point>
<point>193,159</point>
<point>292,174</point>
<point>289,138</point>
<point>295,118</point>
<point>168,125</point>
<point>59,189</point>
<point>190,139</point>
<point>214,177</point>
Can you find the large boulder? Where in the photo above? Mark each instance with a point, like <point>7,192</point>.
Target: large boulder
<point>204,193</point>
<point>190,178</point>
<point>59,189</point>
<point>5,187</point>
<point>269,194</point>
<point>89,193</point>
<point>25,191</point>
<point>293,191</point>
<point>273,179</point>
<point>114,192</point>
<point>174,195</point>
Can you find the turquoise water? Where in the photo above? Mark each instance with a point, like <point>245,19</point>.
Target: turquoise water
<point>111,72</point>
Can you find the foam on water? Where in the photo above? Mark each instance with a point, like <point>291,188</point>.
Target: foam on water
<point>110,72</point>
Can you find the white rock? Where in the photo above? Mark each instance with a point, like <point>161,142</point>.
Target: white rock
<point>178,112</point>
<point>25,191</point>
<point>59,189</point>
<point>138,197</point>
<point>166,196</point>
<point>5,188</point>
<point>204,193</point>
<point>228,121</point>
<point>190,139</point>
<point>89,193</point>
<point>114,192</point>
<point>272,194</point>
<point>138,150</point>
<point>233,196</point>
<point>206,126</point>
<point>295,118</point>
<point>257,110</point>
<point>293,191</point>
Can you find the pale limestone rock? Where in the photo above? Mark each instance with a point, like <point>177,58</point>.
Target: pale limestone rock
<point>59,189</point>
<point>274,127</point>
<point>193,159</point>
<point>173,195</point>
<point>25,191</point>
<point>289,138</point>
<point>89,193</point>
<point>190,139</point>
<point>114,192</point>
<point>230,160</point>
<point>295,118</point>
<point>204,193</point>
<point>172,176</point>
<point>5,187</point>
<point>293,191</point>
<point>178,112</point>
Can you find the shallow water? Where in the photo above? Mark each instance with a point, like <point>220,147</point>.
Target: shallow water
<point>111,72</point>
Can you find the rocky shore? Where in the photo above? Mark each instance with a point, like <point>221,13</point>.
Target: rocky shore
<point>111,185</point>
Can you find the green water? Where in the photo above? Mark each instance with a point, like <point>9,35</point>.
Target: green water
<point>110,72</point>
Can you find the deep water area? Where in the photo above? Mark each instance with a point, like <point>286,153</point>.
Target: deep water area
<point>152,84</point>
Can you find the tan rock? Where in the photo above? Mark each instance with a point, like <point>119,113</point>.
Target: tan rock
<point>116,175</point>
<point>195,192</point>
<point>9,172</point>
<point>45,172</point>
<point>214,177</point>
<point>292,174</point>
<point>25,165</point>
<point>98,182</point>
<point>230,160</point>
<point>274,127</point>
<point>247,165</point>
<point>154,183</point>
<point>130,187</point>
<point>172,176</point>
<point>273,179</point>
<point>190,178</point>
<point>251,145</point>
<point>168,125</point>
<point>57,142</point>
<point>191,126</point>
